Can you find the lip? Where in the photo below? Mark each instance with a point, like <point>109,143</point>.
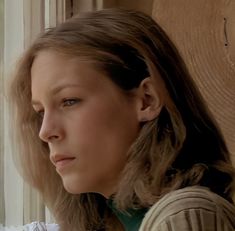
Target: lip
<point>62,161</point>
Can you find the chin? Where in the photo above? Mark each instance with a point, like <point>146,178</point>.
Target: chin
<point>74,186</point>
<point>73,190</point>
<point>71,187</point>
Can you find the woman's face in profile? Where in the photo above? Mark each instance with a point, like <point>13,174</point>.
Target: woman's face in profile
<point>87,121</point>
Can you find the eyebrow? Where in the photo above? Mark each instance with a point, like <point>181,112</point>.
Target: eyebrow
<point>63,86</point>
<point>56,90</point>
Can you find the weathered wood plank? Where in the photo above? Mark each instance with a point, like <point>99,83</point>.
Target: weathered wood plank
<point>204,32</point>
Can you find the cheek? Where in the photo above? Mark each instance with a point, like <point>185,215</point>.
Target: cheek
<point>104,129</point>
<point>100,116</point>
<point>100,138</point>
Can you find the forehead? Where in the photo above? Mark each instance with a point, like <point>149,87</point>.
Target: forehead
<point>51,70</point>
<point>58,67</point>
<point>55,61</point>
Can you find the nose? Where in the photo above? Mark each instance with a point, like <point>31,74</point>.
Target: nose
<point>50,130</point>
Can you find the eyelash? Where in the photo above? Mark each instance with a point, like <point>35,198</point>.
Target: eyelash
<point>69,102</point>
<point>65,103</point>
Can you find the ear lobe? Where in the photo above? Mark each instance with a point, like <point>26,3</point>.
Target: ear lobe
<point>150,101</point>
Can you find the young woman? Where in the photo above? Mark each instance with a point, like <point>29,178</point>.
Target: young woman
<point>111,130</point>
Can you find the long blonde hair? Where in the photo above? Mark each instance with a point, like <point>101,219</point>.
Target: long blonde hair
<point>182,147</point>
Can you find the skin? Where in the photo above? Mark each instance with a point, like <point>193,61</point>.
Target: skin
<point>86,120</point>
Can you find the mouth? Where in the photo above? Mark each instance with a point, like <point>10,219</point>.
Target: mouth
<point>62,161</point>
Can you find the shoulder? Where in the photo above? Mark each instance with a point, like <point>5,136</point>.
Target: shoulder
<point>41,226</point>
<point>195,207</point>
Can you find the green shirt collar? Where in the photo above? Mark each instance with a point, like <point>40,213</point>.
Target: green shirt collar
<point>131,219</point>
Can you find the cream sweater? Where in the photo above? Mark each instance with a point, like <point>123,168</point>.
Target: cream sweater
<point>190,209</point>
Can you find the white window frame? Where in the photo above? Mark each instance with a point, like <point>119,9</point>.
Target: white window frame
<point>23,21</point>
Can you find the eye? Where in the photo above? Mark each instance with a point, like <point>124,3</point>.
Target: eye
<point>70,102</point>
<point>40,113</point>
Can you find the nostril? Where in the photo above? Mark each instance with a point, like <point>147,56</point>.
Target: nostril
<point>53,137</point>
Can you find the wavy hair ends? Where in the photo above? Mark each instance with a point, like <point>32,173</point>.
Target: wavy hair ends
<point>182,147</point>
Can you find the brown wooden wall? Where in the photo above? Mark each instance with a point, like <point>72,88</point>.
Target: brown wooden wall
<point>141,5</point>
<point>204,32</point>
<point>76,6</point>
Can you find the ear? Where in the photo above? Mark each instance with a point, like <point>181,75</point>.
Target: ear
<point>149,101</point>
